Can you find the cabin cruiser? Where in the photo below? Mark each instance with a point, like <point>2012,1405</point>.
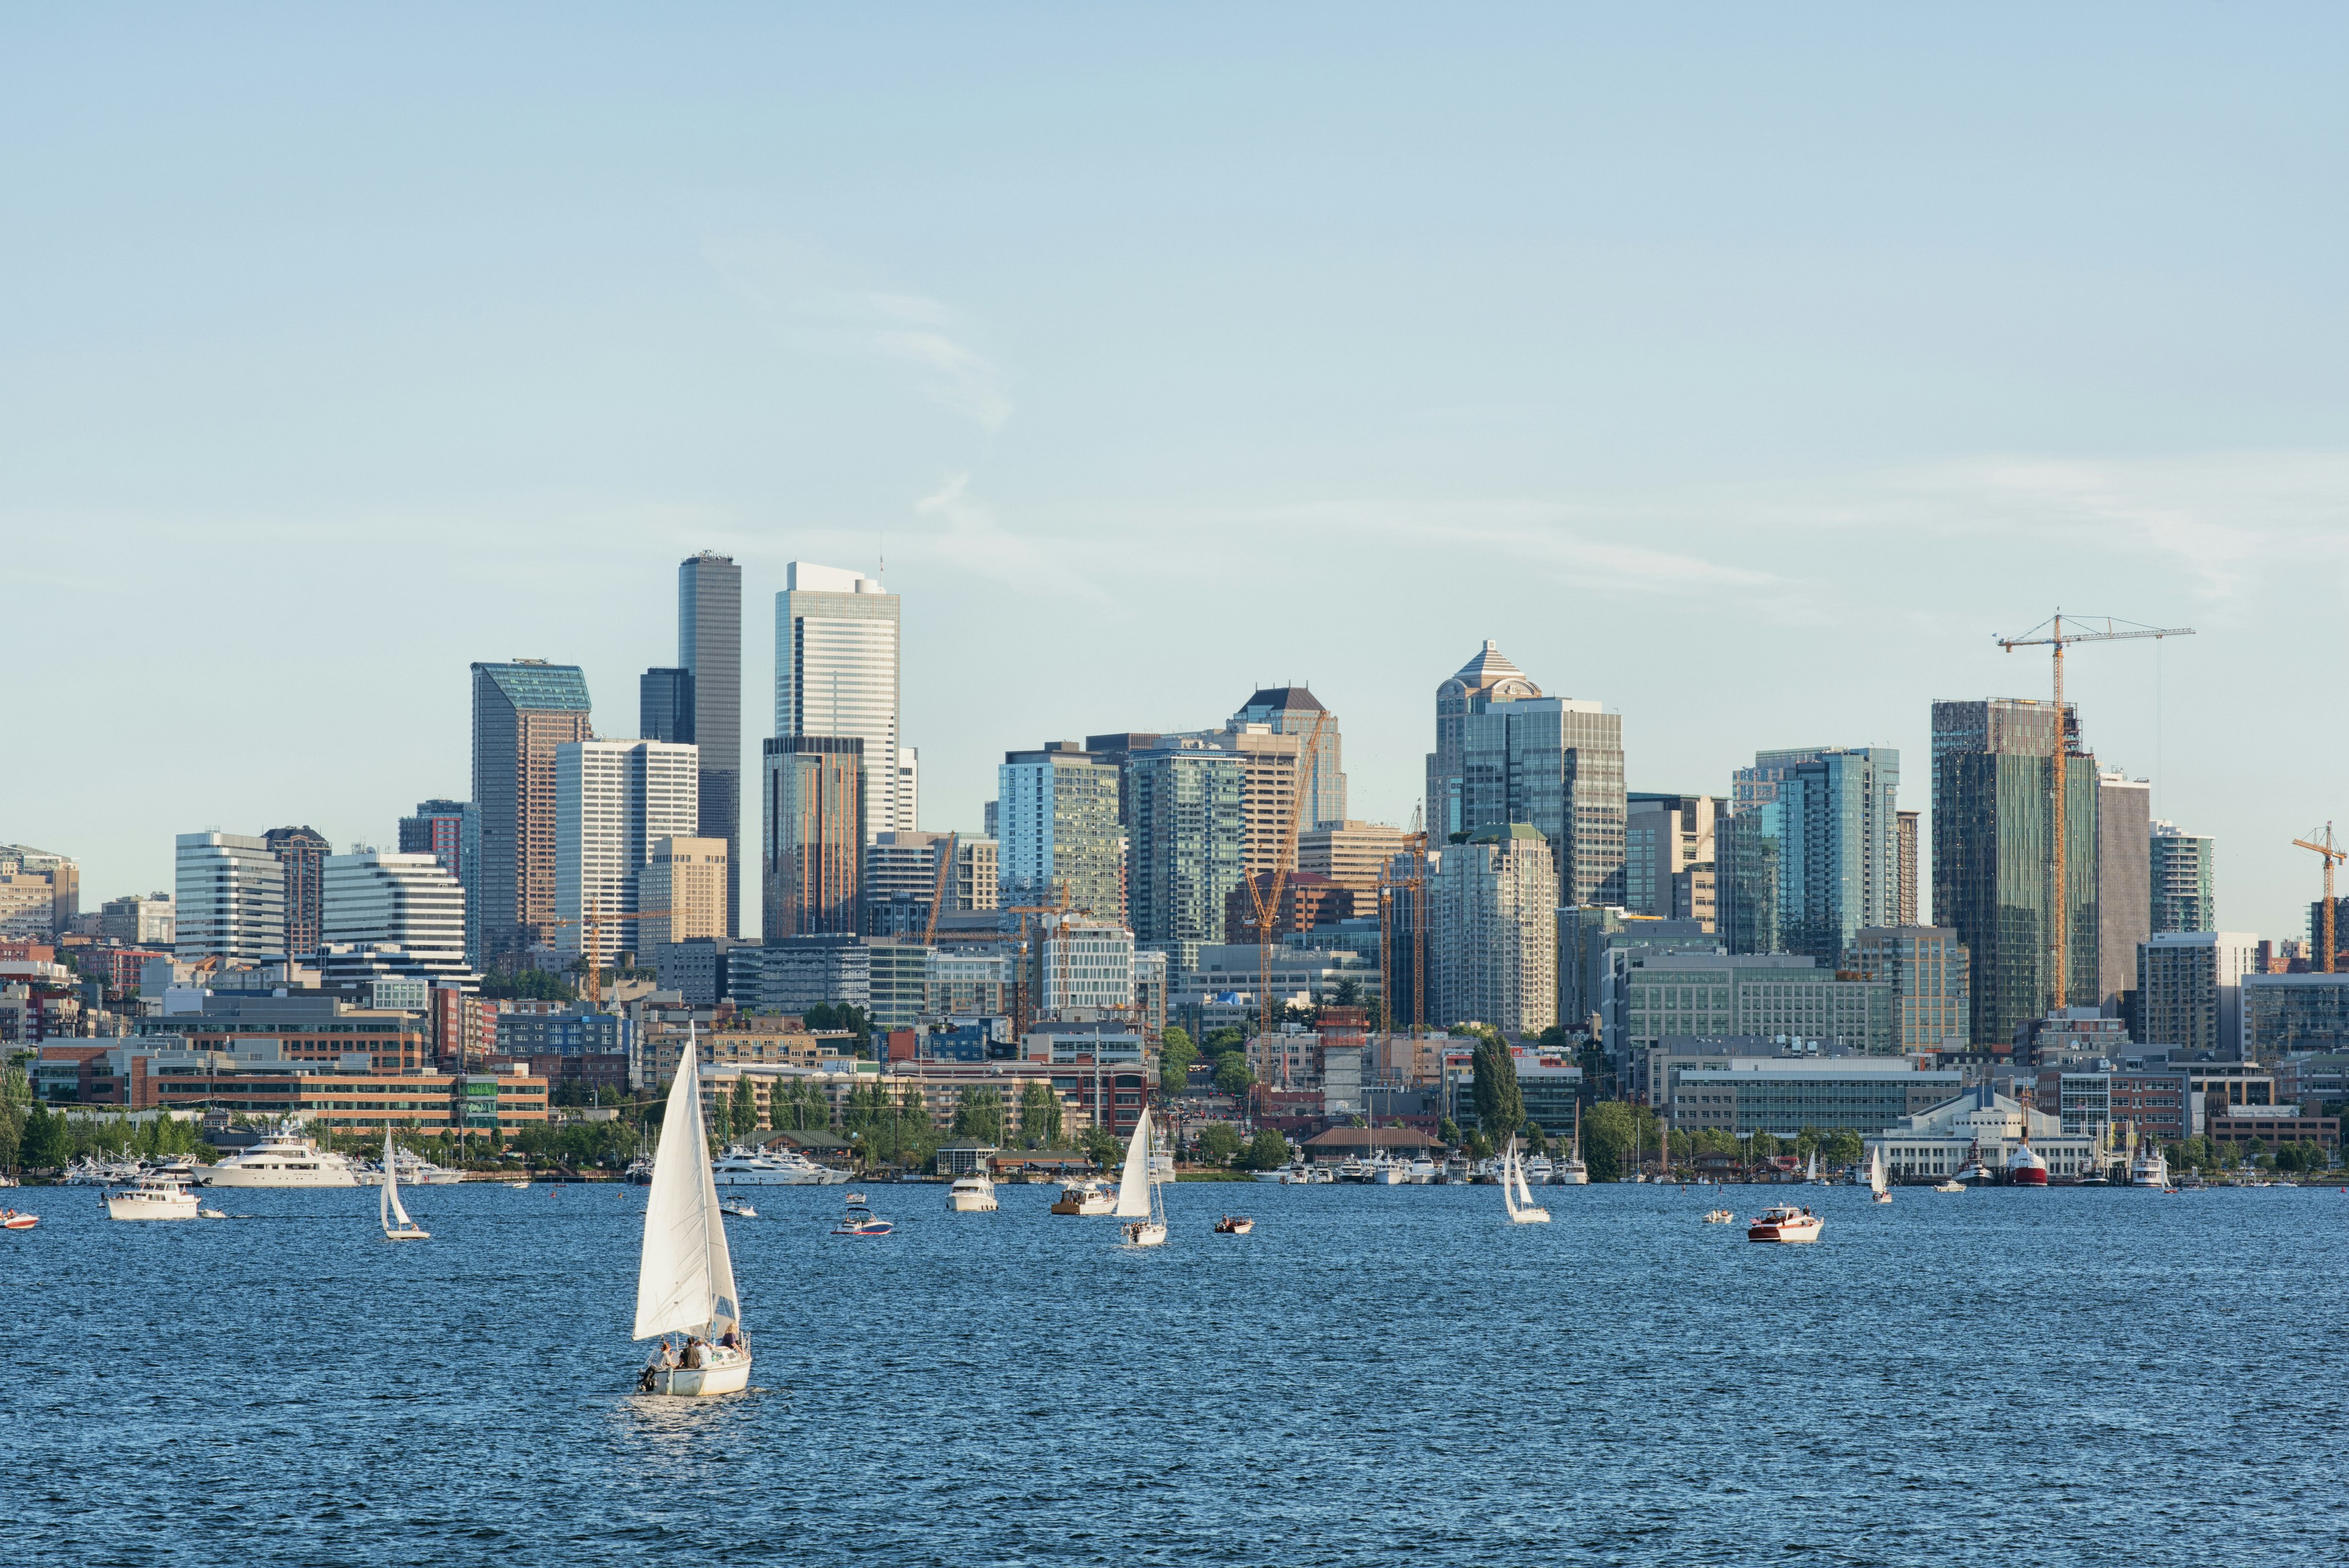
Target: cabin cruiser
<point>1390,1171</point>
<point>151,1198</point>
<point>1539,1171</point>
<point>1086,1195</point>
<point>283,1159</point>
<point>1784,1222</point>
<point>1357,1170</point>
<point>415,1170</point>
<point>1423,1171</point>
<point>972,1194</point>
<point>741,1167</point>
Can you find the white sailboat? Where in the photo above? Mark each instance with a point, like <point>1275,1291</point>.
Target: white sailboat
<point>1877,1182</point>
<point>1519,1197</point>
<point>685,1283</point>
<point>1573,1173</point>
<point>1138,1202</point>
<point>1812,1175</point>
<point>388,1207</point>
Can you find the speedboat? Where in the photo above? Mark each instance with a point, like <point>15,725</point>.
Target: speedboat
<point>283,1159</point>
<point>151,1198</point>
<point>859,1220</point>
<point>1085,1197</point>
<point>210,1214</point>
<point>1720,1217</point>
<point>972,1194</point>
<point>1951,1185</point>
<point>1234,1225</point>
<point>1784,1222</point>
<point>11,1220</point>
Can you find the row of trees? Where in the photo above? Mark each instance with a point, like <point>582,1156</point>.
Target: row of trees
<point>1226,1048</point>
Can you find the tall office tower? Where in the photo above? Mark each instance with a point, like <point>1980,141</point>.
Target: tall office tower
<point>665,705</point>
<point>302,852</point>
<point>1292,711</point>
<point>709,646</point>
<point>1269,767</point>
<point>1992,774</point>
<point>2182,879</point>
<point>2124,884</point>
<point>836,674</point>
<point>1558,765</point>
<point>23,867</point>
<point>1349,854</point>
<point>450,832</point>
<point>398,914</point>
<point>229,897</point>
<point>1907,898</point>
<point>1928,969</point>
<point>1814,855</point>
<point>1487,679</point>
<point>2190,992</point>
<point>687,876</point>
<point>613,800</point>
<point>1668,856</point>
<point>1185,849</point>
<point>813,834</point>
<point>1495,930</point>
<point>1056,823</point>
<point>522,712</point>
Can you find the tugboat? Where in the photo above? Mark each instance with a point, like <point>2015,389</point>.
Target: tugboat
<point>1973,1169</point>
<point>1784,1222</point>
<point>2024,1167</point>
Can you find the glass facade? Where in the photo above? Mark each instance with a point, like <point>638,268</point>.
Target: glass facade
<point>1184,849</point>
<point>1817,849</point>
<point>2184,872</point>
<point>1557,766</point>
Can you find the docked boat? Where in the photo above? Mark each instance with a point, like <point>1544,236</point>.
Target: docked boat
<point>1974,1169</point>
<point>283,1159</point>
<point>1422,1172</point>
<point>2024,1167</point>
<point>1879,1183</point>
<point>2151,1168</point>
<point>1523,1209</point>
<point>415,1170</point>
<point>859,1220</point>
<point>1951,1185</point>
<point>685,1279</point>
<point>389,1210</point>
<point>1539,1170</point>
<point>1138,1202</point>
<point>1088,1196</point>
<point>1784,1222</point>
<point>1812,1175</point>
<point>1392,1172</point>
<point>10,1219</point>
<point>1571,1171</point>
<point>972,1194</point>
<point>151,1198</point>
<point>1357,1170</point>
<point>781,1167</point>
<point>1234,1225</point>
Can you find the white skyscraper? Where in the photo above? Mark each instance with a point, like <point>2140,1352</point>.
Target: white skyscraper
<point>230,891</point>
<point>393,913</point>
<point>836,675</point>
<point>613,799</point>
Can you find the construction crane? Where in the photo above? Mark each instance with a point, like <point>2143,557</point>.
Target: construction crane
<point>1284,856</point>
<point>2331,857</point>
<point>2057,638</point>
<point>938,883</point>
<point>593,924</point>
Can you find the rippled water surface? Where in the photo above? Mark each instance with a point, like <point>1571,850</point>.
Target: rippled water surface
<point>1377,1376</point>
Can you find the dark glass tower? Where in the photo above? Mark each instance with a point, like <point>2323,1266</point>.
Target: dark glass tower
<point>709,649</point>
<point>665,706</point>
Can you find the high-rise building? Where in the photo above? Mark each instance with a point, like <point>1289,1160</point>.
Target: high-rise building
<point>229,900</point>
<point>665,705</point>
<point>26,869</point>
<point>686,876</point>
<point>1813,854</point>
<point>836,670</point>
<point>302,852</point>
<point>384,915</point>
<point>1115,749</point>
<point>1486,679</point>
<point>613,800</point>
<point>137,922</point>
<point>522,712</point>
<point>1185,846</point>
<point>2190,992</point>
<point>1554,762</point>
<point>901,875</point>
<point>1668,856</point>
<point>1908,869</point>
<point>709,648</point>
<point>2285,1013</point>
<point>812,834</point>
<point>450,832</point>
<point>2182,876</point>
<point>1931,990</point>
<point>1057,825</point>
<point>1292,711</point>
<point>1083,965</point>
<point>1992,776</point>
<point>1495,929</point>
<point>2124,906</point>
<point>1350,854</point>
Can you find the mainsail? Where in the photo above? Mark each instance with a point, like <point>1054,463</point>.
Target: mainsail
<point>390,1206</point>
<point>1134,1184</point>
<point>686,1282</point>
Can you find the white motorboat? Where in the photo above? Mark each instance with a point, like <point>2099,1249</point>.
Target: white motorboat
<point>1539,1170</point>
<point>1422,1172</point>
<point>1357,1170</point>
<point>685,1279</point>
<point>1951,1185</point>
<point>396,1225</point>
<point>1784,1222</point>
<point>283,1159</point>
<point>1268,1176</point>
<point>415,1170</point>
<point>1523,1209</point>
<point>777,1167</point>
<point>1392,1172</point>
<point>972,1194</point>
<point>1086,1195</point>
<point>739,1208</point>
<point>151,1198</point>
<point>1138,1202</point>
<point>1321,1176</point>
<point>1879,1183</point>
<point>1298,1175</point>
<point>1571,1171</point>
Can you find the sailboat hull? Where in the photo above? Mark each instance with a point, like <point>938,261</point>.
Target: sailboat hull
<point>1146,1233</point>
<point>704,1382</point>
<point>1530,1216</point>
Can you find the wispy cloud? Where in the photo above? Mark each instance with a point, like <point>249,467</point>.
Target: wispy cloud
<point>974,540</point>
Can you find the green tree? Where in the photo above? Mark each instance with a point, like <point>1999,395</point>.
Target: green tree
<point>1765,1145</point>
<point>1500,1104</point>
<point>978,1114</point>
<point>527,983</point>
<point>1842,1149</point>
<point>1612,1131</point>
<point>1268,1150</point>
<point>44,1144</point>
<point>1039,1115</point>
<point>1536,1140</point>
<point>1218,1142</point>
<point>1176,1054</point>
<point>1232,1075</point>
<point>1447,1132</point>
<point>1103,1146</point>
<point>742,1115</point>
<point>1224,1039</point>
<point>1479,1147</point>
<point>1806,1141</point>
<point>1347,993</point>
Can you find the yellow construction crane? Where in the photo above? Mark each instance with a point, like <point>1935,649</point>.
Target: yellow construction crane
<point>2057,638</point>
<point>1267,905</point>
<point>593,925</point>
<point>938,883</point>
<point>2331,857</point>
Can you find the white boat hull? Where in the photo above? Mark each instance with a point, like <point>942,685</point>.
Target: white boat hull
<point>727,1377</point>
<point>1529,1217</point>
<point>233,1177</point>
<point>971,1200</point>
<point>1146,1233</point>
<point>145,1205</point>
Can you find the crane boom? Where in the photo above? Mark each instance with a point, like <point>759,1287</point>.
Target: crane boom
<point>2333,857</point>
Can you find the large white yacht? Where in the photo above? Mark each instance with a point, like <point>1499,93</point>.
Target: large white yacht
<point>151,1198</point>
<point>283,1159</point>
<point>742,1167</point>
<point>972,1194</point>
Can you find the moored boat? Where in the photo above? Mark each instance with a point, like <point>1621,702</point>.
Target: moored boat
<point>1087,1195</point>
<point>151,1198</point>
<point>972,1194</point>
<point>1234,1225</point>
<point>859,1220</point>
<point>283,1159</point>
<point>2024,1167</point>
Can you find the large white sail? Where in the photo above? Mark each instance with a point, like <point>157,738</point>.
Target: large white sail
<point>390,1206</point>
<point>1518,1174</point>
<point>686,1282</point>
<point>1876,1168</point>
<point>1134,1184</point>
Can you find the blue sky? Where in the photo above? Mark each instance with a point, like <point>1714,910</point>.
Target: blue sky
<point>1745,369</point>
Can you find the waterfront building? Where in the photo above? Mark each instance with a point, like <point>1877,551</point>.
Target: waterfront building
<point>1812,854</point>
<point>814,833</point>
<point>392,914</point>
<point>522,712</point>
<point>2183,879</point>
<point>1668,856</point>
<point>1186,837</point>
<point>302,852</point>
<point>1782,1092</point>
<point>2095,1097</point>
<point>137,922</point>
<point>2237,1130</point>
<point>614,801</point>
<point>1932,983</point>
<point>2190,992</point>
<point>1993,777</point>
<point>1659,992</point>
<point>2124,901</point>
<point>1293,710</point>
<point>836,675</point>
<point>1495,925</point>
<point>1056,823</point>
<point>1350,854</point>
<point>338,1095</point>
<point>1934,1145</point>
<point>2285,1014</point>
<point>687,876</point>
<point>228,898</point>
<point>709,649</point>
<point>1555,764</point>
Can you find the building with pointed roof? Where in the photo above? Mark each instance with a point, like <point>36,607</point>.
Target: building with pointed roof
<point>1292,711</point>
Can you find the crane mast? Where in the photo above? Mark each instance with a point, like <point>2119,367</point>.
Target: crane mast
<point>2333,857</point>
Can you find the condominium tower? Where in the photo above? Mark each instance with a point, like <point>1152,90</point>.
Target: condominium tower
<point>2123,888</point>
<point>1056,821</point>
<point>1495,929</point>
<point>229,896</point>
<point>1294,711</point>
<point>1184,854</point>
<point>302,852</point>
<point>1811,854</point>
<point>396,914</point>
<point>2182,873</point>
<point>523,710</point>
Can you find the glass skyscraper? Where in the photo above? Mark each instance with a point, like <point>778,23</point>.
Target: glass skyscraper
<point>1555,764</point>
<point>1184,853</point>
<point>836,674</point>
<point>522,712</point>
<point>1814,850</point>
<point>2183,871</point>
<point>707,704</point>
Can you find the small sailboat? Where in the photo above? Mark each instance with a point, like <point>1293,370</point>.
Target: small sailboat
<point>388,1207</point>
<point>1519,1197</point>
<point>1877,1182</point>
<point>1812,1175</point>
<point>685,1279</point>
<point>1138,1202</point>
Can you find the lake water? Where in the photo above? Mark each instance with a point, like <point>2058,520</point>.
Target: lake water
<point>1377,1376</point>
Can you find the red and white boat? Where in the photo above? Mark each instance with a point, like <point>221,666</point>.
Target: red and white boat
<point>2024,1167</point>
<point>11,1220</point>
<point>1784,1222</point>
